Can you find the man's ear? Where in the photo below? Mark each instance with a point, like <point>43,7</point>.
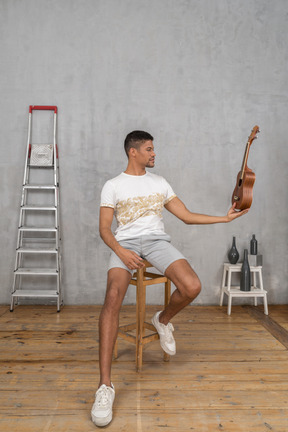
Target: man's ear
<point>132,152</point>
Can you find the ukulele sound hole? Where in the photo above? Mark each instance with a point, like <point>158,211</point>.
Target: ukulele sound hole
<point>240,183</point>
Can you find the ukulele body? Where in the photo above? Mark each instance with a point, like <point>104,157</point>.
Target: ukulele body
<point>243,192</point>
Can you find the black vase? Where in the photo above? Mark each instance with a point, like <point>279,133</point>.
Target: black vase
<point>233,254</point>
<point>245,281</point>
<point>253,245</point>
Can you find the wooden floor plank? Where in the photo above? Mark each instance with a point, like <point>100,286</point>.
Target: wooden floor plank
<point>273,327</point>
<point>147,421</point>
<point>230,373</point>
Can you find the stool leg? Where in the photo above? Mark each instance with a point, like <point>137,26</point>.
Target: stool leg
<point>222,286</point>
<point>265,295</point>
<point>167,292</point>
<point>167,299</point>
<point>265,304</point>
<point>229,304</point>
<point>229,294</point>
<point>255,286</point>
<point>140,317</point>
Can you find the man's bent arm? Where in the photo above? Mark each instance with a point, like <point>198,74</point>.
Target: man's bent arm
<point>178,208</point>
<point>129,258</point>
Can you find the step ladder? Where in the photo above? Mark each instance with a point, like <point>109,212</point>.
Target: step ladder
<point>37,271</point>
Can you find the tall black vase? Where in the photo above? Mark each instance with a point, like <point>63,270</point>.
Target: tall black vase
<point>253,245</point>
<point>233,254</point>
<point>245,281</point>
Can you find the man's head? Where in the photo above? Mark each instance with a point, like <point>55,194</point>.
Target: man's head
<point>135,139</point>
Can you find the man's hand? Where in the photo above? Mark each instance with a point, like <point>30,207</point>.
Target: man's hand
<point>130,259</point>
<point>233,214</point>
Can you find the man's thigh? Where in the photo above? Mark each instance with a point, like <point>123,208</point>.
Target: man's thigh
<point>161,253</point>
<point>181,273</point>
<point>118,280</point>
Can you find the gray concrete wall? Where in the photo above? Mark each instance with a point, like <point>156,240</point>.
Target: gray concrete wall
<point>198,75</point>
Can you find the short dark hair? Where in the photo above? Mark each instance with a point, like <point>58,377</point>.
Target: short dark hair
<point>135,139</point>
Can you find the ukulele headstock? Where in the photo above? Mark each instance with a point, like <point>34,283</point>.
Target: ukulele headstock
<point>253,134</point>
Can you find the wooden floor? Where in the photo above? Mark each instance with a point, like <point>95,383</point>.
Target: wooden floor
<point>229,373</point>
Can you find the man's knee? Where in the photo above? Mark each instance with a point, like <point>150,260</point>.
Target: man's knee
<point>197,287</point>
<point>192,287</point>
<point>113,295</point>
<point>116,289</point>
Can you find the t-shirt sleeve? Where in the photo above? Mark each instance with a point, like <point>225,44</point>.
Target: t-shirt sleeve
<point>170,194</point>
<point>108,195</point>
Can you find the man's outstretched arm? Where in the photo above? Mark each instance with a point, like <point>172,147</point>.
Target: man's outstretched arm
<point>178,208</point>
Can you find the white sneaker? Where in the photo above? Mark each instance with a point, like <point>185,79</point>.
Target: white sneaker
<point>101,412</point>
<point>167,341</point>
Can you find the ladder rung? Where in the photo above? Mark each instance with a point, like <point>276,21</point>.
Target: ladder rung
<point>37,229</point>
<point>36,271</point>
<point>39,186</point>
<point>35,293</point>
<point>41,166</point>
<point>46,240</point>
<point>36,250</point>
<point>35,207</point>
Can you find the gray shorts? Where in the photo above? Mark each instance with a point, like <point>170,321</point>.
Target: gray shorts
<point>156,249</point>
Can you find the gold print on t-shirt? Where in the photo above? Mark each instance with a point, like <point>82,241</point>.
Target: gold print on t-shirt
<point>134,208</point>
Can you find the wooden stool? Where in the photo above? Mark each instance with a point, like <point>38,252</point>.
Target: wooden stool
<point>235,291</point>
<point>141,279</point>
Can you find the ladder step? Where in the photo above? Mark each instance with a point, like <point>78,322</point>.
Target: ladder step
<point>39,186</point>
<point>37,229</point>
<point>41,166</point>
<point>36,250</point>
<point>36,271</point>
<point>35,293</point>
<point>41,208</point>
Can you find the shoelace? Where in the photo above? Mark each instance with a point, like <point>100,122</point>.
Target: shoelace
<point>168,330</point>
<point>102,397</point>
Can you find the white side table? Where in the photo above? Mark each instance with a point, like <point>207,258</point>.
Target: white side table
<point>234,291</point>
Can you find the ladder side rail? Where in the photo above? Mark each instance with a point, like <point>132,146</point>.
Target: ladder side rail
<point>56,218</point>
<point>16,265</point>
<point>58,237</point>
<point>24,192</point>
<point>28,150</point>
<point>56,240</point>
<point>55,149</point>
<point>56,197</point>
<point>58,214</point>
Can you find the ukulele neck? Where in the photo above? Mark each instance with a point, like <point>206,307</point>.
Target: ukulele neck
<point>245,158</point>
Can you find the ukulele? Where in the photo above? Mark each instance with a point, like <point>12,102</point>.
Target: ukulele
<point>243,192</point>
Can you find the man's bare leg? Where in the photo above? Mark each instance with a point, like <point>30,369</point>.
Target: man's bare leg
<point>188,286</point>
<point>117,284</point>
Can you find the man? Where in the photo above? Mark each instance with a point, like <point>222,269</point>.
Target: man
<point>137,198</point>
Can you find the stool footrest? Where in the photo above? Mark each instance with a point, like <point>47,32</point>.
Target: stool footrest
<point>127,327</point>
<point>123,333</point>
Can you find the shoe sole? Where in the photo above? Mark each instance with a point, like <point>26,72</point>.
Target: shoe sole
<point>102,422</point>
<point>167,351</point>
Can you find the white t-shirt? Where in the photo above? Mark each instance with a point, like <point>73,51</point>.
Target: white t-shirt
<point>138,202</point>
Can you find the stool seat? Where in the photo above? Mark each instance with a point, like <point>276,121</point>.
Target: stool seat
<point>234,291</point>
<point>141,279</point>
